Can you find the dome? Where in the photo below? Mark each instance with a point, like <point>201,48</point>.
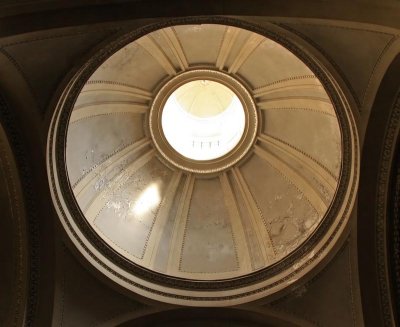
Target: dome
<point>205,154</point>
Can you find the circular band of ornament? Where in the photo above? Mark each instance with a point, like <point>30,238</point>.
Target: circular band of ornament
<point>193,292</point>
<point>208,166</point>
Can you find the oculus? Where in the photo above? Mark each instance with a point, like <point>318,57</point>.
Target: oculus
<point>203,120</point>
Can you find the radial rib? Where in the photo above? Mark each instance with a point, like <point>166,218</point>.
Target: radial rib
<point>257,220</point>
<point>313,166</point>
<point>251,44</point>
<point>300,102</point>
<point>101,169</point>
<point>173,42</point>
<point>228,41</point>
<point>106,108</point>
<point>160,220</point>
<point>236,225</point>
<point>147,43</point>
<point>178,233</point>
<point>114,87</point>
<point>117,182</point>
<point>296,179</point>
<point>289,84</point>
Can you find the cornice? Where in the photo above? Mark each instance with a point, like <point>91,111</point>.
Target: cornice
<point>29,16</point>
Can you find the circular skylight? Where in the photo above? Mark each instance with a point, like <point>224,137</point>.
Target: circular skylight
<point>203,120</point>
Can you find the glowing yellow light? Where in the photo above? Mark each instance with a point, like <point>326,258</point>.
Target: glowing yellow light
<point>203,120</point>
<point>147,201</point>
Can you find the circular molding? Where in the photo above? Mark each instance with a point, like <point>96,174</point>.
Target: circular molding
<point>207,166</point>
<point>191,292</point>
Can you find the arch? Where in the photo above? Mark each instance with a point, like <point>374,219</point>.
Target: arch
<point>211,316</point>
<point>13,239</point>
<point>376,163</point>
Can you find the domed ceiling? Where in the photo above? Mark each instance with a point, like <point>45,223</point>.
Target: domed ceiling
<point>220,210</point>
